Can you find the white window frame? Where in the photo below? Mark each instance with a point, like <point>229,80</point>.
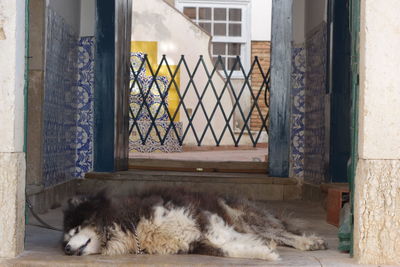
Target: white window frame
<point>244,40</point>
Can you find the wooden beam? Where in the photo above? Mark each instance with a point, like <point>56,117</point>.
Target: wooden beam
<point>281,70</point>
<point>123,18</point>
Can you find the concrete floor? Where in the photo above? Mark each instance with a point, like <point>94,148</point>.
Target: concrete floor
<point>250,154</point>
<point>43,246</point>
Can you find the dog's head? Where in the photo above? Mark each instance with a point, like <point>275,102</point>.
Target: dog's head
<point>82,235</point>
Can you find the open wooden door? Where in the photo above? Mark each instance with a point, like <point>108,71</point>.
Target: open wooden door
<point>111,113</point>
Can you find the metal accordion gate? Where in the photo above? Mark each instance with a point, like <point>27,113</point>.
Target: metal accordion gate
<point>196,102</point>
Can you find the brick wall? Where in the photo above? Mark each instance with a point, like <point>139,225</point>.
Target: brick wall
<point>262,50</point>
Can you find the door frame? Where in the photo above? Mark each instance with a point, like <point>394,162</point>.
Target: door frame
<point>354,80</point>
<point>281,84</point>
<point>112,59</point>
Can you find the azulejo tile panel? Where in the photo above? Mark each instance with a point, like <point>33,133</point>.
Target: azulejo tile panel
<point>60,101</point>
<point>153,143</point>
<point>298,109</point>
<point>146,103</point>
<point>85,121</point>
<point>314,147</point>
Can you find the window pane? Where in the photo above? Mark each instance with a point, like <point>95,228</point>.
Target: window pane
<point>190,12</point>
<point>231,62</point>
<point>234,49</point>
<point>206,26</point>
<point>220,29</point>
<point>235,14</point>
<point>235,29</point>
<point>219,49</point>
<point>219,13</point>
<point>205,13</point>
<point>219,67</point>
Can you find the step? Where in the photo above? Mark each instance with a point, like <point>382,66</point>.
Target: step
<point>253,186</point>
<point>198,165</point>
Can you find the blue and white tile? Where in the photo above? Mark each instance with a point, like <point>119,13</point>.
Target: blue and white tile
<point>146,103</point>
<point>60,100</point>
<point>314,152</point>
<point>298,109</point>
<point>85,122</point>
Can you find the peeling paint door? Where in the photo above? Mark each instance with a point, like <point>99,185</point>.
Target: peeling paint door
<point>354,79</point>
<point>281,68</point>
<point>123,22</point>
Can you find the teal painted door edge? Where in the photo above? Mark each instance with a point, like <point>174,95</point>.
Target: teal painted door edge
<point>354,31</point>
<point>26,74</point>
<point>26,85</point>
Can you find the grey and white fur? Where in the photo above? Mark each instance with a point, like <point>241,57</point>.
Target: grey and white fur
<point>172,221</point>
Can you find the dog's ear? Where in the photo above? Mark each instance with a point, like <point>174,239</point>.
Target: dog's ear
<point>101,198</point>
<point>76,201</point>
<point>97,199</point>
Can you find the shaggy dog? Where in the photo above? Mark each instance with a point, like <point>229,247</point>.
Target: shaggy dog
<point>172,221</point>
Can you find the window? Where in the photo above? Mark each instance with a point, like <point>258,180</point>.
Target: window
<point>229,25</point>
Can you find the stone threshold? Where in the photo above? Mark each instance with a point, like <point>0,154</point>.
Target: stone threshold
<point>253,186</point>
<point>173,176</point>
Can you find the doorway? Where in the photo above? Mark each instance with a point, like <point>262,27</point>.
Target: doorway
<point>200,98</point>
<point>276,188</point>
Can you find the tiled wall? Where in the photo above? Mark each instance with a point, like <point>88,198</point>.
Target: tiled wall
<point>298,108</point>
<point>307,152</point>
<point>85,120</point>
<point>68,102</point>
<point>315,92</point>
<point>60,101</point>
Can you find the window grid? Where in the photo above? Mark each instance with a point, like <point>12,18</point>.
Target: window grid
<point>232,16</point>
<point>212,21</point>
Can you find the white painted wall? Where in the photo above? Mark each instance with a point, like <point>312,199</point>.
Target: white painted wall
<point>380,94</point>
<point>377,182</point>
<point>299,21</point>
<point>307,15</point>
<point>261,11</point>
<point>12,157</point>
<point>12,56</point>
<point>155,20</point>
<point>315,13</point>
<point>69,10</point>
<point>88,17</point>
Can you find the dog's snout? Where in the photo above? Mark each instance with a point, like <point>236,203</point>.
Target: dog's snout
<point>68,250</point>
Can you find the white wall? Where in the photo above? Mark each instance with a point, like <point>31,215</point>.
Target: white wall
<point>12,47</point>
<point>12,157</point>
<point>315,13</point>
<point>88,17</point>
<point>69,10</point>
<point>155,20</point>
<point>299,9</point>
<point>380,95</point>
<point>377,183</point>
<point>261,11</point>
<point>307,15</point>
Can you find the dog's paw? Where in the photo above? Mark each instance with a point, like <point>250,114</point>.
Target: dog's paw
<point>311,242</point>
